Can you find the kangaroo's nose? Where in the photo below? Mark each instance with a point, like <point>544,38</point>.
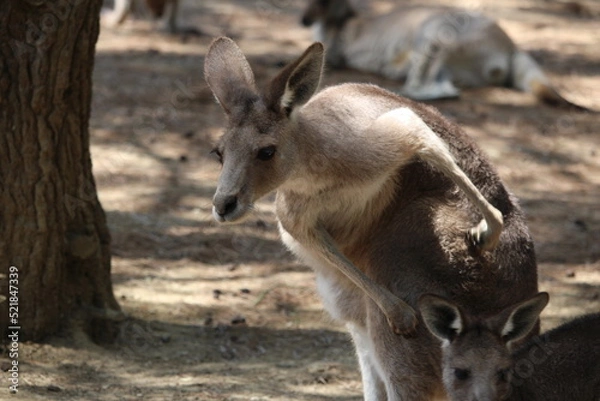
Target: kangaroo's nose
<point>225,205</point>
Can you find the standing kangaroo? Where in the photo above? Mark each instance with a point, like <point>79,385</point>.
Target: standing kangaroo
<point>432,49</point>
<point>479,364</point>
<point>382,196</point>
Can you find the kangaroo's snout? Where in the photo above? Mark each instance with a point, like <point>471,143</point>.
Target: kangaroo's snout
<point>224,207</point>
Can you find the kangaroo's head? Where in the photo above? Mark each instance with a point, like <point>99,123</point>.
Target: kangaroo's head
<point>258,149</point>
<point>331,13</point>
<point>476,353</point>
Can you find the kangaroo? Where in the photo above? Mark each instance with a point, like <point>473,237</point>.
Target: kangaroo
<point>122,9</point>
<point>480,361</point>
<point>432,49</point>
<point>383,197</point>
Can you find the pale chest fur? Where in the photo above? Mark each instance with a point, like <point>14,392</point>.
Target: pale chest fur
<point>345,210</point>
<point>346,215</point>
<point>340,297</point>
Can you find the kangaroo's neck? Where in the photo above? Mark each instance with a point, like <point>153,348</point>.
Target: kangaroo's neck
<point>324,190</point>
<point>347,213</point>
<point>329,151</point>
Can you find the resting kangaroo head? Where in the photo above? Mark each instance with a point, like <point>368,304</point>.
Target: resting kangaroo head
<point>476,353</point>
<point>257,150</point>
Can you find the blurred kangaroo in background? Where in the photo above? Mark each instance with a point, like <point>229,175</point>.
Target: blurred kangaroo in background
<point>383,197</point>
<point>123,8</point>
<point>479,362</point>
<point>433,50</point>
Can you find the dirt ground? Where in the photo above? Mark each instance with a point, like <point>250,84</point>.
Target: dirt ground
<point>225,312</point>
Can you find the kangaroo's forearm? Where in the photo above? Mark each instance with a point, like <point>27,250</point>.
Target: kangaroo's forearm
<point>399,314</point>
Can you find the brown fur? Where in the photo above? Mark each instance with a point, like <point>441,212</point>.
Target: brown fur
<point>480,362</point>
<point>382,196</point>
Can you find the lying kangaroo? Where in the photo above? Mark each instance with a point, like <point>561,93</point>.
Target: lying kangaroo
<point>432,49</point>
<point>122,9</point>
<point>382,196</point>
<point>479,363</point>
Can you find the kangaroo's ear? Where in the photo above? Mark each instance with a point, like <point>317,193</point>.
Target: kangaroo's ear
<point>442,317</point>
<point>228,73</point>
<point>517,321</point>
<point>297,82</point>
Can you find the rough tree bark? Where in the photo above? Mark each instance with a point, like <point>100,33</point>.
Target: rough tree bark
<point>52,226</point>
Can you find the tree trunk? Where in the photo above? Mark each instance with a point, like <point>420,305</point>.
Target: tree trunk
<point>52,227</point>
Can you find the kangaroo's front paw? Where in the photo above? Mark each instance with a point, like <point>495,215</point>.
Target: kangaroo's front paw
<point>482,238</point>
<point>403,320</point>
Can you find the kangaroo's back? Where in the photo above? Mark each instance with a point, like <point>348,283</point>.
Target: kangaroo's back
<point>427,211</point>
<point>566,362</point>
<point>416,242</point>
<point>456,268</point>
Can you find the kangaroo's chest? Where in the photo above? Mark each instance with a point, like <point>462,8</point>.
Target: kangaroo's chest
<point>340,297</point>
<point>347,214</point>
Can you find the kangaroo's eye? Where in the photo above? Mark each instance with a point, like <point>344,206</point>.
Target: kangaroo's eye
<point>266,153</point>
<point>462,374</point>
<point>217,153</point>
